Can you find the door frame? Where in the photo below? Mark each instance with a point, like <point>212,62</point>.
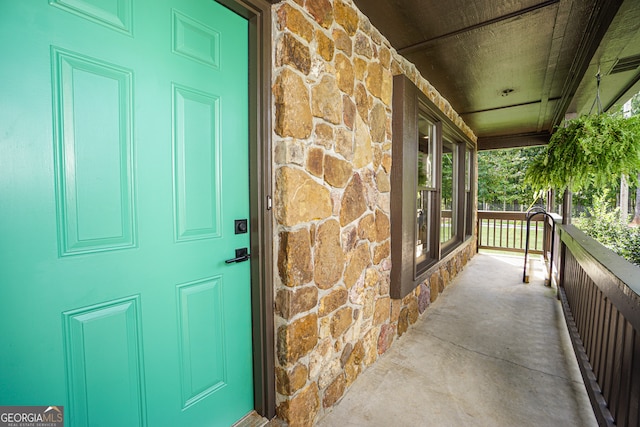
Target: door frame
<point>258,13</point>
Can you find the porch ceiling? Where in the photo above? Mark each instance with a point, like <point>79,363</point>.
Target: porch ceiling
<point>513,68</point>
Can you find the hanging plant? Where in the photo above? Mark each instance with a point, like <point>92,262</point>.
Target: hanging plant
<point>594,149</point>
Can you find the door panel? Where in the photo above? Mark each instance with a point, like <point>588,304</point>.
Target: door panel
<point>196,151</point>
<point>92,137</point>
<point>123,165</point>
<point>96,381</point>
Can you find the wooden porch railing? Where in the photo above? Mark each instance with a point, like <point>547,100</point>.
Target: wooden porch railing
<point>600,297</point>
<point>446,226</point>
<point>506,231</point>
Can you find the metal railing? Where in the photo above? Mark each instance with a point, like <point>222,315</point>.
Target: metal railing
<point>600,297</point>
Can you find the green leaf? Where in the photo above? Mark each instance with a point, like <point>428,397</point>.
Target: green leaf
<point>590,149</point>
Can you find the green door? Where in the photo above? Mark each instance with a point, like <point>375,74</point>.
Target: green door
<point>123,170</point>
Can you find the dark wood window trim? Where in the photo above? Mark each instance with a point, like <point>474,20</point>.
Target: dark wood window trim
<point>258,13</point>
<point>470,194</point>
<point>433,200</point>
<point>408,104</point>
<point>450,245</point>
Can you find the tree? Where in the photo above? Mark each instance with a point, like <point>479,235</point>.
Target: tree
<point>635,110</point>
<point>623,199</point>
<point>602,223</point>
<point>636,217</point>
<point>501,176</point>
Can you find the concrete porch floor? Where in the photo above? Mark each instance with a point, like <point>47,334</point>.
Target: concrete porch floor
<point>491,351</point>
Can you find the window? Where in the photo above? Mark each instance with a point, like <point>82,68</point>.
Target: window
<point>431,187</point>
<point>427,193</point>
<point>448,223</point>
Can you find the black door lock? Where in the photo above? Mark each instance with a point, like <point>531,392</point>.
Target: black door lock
<point>241,226</point>
<point>242,255</point>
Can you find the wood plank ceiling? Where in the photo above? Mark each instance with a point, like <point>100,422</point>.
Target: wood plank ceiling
<point>514,68</point>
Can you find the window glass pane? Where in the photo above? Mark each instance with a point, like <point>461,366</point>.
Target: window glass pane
<point>467,170</point>
<point>426,141</point>
<point>423,226</point>
<point>448,205</point>
<point>468,210</point>
<point>469,214</point>
<point>425,186</point>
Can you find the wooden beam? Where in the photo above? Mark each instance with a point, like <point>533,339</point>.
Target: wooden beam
<point>601,17</point>
<point>504,107</point>
<point>626,90</point>
<point>513,141</point>
<point>424,44</point>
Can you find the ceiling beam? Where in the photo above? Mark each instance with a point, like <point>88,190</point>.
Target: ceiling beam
<point>624,91</point>
<point>504,107</point>
<point>513,141</point>
<point>601,17</point>
<point>424,44</point>
<point>562,19</point>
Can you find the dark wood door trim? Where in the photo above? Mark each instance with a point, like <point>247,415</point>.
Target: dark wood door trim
<point>258,13</point>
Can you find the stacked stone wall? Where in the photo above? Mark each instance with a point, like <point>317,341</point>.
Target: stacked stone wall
<point>332,90</point>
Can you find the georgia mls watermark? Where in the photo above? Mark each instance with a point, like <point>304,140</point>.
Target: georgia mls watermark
<point>31,416</point>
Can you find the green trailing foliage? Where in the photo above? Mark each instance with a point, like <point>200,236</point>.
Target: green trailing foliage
<point>588,150</point>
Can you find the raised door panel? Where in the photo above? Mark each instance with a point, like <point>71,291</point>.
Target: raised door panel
<point>197,152</point>
<point>105,369</point>
<point>93,154</point>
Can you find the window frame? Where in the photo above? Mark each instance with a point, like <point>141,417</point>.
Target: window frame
<point>469,191</point>
<point>449,244</point>
<point>409,104</point>
<point>432,198</point>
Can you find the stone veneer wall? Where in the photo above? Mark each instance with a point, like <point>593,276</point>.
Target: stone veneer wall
<point>332,89</point>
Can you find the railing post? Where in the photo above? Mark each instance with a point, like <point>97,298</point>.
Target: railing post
<point>567,200</point>
<point>548,227</point>
<point>546,241</point>
<point>551,198</point>
<point>478,232</point>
